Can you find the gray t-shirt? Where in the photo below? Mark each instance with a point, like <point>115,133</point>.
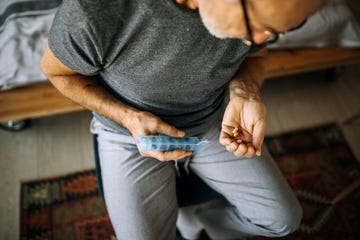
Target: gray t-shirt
<point>152,55</point>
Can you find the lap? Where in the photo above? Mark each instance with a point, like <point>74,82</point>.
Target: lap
<point>140,191</point>
<point>255,186</point>
<point>235,178</point>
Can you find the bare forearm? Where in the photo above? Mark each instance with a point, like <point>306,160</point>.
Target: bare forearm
<point>250,77</point>
<point>87,92</point>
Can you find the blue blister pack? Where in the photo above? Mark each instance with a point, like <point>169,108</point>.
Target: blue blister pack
<point>166,143</point>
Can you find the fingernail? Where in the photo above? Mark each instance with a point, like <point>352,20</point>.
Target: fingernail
<point>181,134</point>
<point>267,32</point>
<point>247,42</point>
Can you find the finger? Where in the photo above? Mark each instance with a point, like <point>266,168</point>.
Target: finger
<point>225,138</point>
<point>258,136</point>
<point>241,150</point>
<point>169,130</point>
<point>228,129</point>
<point>166,156</point>
<point>232,147</point>
<point>250,151</point>
<point>242,133</point>
<point>175,155</point>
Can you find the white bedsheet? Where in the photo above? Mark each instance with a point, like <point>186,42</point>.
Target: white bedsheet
<point>24,28</point>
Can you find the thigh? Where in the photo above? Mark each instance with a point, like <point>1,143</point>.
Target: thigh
<point>254,186</point>
<point>139,192</point>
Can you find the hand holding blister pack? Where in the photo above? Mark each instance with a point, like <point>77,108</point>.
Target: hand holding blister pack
<point>166,143</point>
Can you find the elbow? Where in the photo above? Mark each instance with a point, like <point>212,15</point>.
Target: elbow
<point>44,67</point>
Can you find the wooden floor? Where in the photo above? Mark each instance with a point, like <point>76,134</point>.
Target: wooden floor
<point>62,144</point>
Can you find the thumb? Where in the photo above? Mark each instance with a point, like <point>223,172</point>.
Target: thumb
<point>169,130</point>
<point>258,136</point>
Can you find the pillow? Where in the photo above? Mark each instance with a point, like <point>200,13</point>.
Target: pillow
<point>333,25</point>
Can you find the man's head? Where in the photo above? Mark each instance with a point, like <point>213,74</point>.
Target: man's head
<point>228,18</point>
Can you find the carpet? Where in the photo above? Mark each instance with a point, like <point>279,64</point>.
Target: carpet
<point>323,172</point>
<point>66,207</point>
<point>317,163</point>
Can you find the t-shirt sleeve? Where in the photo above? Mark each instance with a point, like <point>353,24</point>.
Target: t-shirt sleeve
<point>73,41</point>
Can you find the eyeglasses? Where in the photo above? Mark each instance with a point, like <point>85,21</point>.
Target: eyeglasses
<point>272,36</point>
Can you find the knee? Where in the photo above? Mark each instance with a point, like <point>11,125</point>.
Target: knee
<point>285,221</point>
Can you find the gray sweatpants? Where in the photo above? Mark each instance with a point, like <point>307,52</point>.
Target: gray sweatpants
<point>141,200</point>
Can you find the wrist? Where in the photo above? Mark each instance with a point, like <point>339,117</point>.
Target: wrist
<point>120,113</point>
<point>131,118</point>
<point>248,90</point>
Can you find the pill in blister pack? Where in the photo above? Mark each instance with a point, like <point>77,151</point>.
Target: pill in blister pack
<point>166,143</point>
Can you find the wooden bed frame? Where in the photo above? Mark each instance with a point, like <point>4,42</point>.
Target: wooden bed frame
<point>40,100</point>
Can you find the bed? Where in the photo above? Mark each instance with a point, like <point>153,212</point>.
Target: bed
<point>330,38</point>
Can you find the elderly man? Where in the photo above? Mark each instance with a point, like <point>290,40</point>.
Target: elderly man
<point>176,68</point>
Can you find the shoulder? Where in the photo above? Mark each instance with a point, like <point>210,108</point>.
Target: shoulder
<point>96,18</point>
<point>83,32</point>
<point>76,12</point>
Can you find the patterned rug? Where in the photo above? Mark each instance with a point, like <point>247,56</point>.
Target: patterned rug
<point>66,207</point>
<point>317,163</point>
<point>325,176</point>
